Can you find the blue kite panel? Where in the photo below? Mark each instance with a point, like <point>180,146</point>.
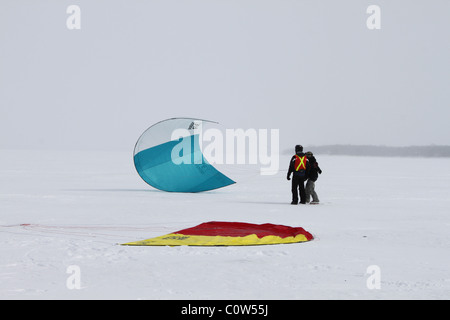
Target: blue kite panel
<point>161,169</point>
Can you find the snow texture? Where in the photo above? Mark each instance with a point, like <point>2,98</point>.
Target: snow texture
<point>72,208</point>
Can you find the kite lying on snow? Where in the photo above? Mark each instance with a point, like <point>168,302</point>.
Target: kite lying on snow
<point>229,234</point>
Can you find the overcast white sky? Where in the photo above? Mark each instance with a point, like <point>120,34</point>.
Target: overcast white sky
<point>311,69</point>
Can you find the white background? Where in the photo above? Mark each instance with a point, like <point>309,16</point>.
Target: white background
<point>311,69</point>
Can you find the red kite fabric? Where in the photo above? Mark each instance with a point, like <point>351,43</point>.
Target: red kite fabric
<point>229,234</point>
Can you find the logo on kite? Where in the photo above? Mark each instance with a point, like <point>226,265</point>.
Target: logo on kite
<point>193,125</point>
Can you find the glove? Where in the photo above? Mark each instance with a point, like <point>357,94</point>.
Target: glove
<point>288,177</point>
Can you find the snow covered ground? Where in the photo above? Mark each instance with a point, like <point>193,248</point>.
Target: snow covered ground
<point>60,209</point>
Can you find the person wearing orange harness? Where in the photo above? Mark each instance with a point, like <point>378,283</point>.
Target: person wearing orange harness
<point>299,167</point>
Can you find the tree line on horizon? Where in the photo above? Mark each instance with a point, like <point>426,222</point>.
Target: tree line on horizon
<point>431,151</point>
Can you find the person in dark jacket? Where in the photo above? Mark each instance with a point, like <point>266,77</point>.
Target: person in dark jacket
<point>313,175</point>
<point>299,168</point>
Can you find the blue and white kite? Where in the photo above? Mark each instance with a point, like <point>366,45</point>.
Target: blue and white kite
<point>168,157</point>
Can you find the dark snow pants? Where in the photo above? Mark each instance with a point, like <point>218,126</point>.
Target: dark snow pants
<point>298,186</point>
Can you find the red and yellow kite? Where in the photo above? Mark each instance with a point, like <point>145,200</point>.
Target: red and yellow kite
<point>229,234</point>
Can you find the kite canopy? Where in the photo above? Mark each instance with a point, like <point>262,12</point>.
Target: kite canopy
<point>229,234</point>
<point>168,157</point>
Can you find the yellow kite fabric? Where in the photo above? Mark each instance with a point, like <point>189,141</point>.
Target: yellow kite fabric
<point>229,234</point>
